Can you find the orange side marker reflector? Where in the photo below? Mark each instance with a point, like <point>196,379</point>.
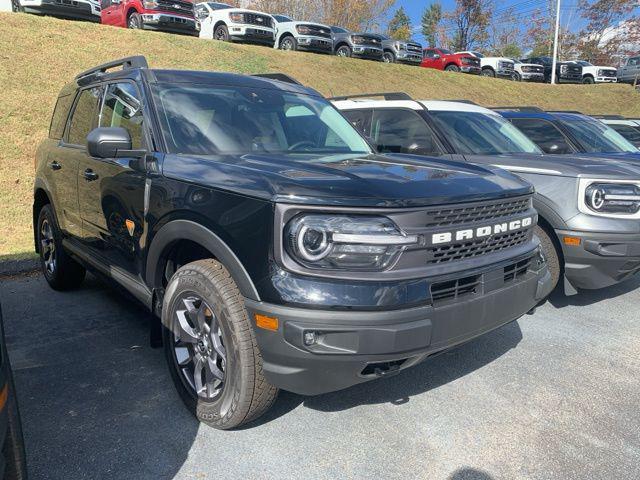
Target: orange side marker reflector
<point>4,395</point>
<point>572,241</point>
<point>268,323</point>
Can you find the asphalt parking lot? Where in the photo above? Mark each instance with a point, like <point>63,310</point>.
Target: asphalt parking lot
<point>554,395</point>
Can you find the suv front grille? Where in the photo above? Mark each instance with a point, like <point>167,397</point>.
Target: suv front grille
<point>477,213</point>
<point>455,288</point>
<point>609,73</point>
<point>462,250</point>
<point>178,6</point>
<point>318,31</point>
<point>255,19</point>
<point>414,48</point>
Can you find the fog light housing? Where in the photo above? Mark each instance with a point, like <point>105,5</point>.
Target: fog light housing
<point>309,338</point>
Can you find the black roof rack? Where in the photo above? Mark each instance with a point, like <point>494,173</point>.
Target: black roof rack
<point>282,77</point>
<point>386,96</point>
<point>565,111</point>
<point>462,100</point>
<point>609,117</point>
<point>518,109</point>
<point>137,61</point>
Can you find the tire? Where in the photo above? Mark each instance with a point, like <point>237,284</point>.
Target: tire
<point>551,253</point>
<point>487,72</point>
<point>134,21</point>
<point>388,57</point>
<point>516,77</point>
<point>59,269</point>
<point>288,43</point>
<point>344,51</point>
<point>452,68</point>
<point>13,450</point>
<point>588,80</point>
<point>16,7</point>
<point>221,33</point>
<point>206,323</point>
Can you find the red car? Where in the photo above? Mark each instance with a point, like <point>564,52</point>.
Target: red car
<point>443,59</point>
<point>175,16</point>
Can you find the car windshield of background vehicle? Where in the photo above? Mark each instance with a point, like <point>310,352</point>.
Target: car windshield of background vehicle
<point>477,54</point>
<point>477,133</point>
<point>632,134</point>
<point>584,63</point>
<point>218,6</point>
<point>444,51</point>
<point>282,18</point>
<point>339,30</point>
<point>596,137</point>
<point>211,120</point>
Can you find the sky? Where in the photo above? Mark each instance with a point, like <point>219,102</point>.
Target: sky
<point>568,15</point>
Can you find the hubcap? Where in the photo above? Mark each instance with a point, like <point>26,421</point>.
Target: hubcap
<point>133,22</point>
<point>198,346</point>
<point>220,35</point>
<point>48,247</point>
<point>286,45</point>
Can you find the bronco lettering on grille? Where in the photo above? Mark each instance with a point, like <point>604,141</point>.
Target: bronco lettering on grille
<point>480,232</point>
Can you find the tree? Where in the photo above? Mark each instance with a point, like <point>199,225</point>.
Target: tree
<point>357,15</point>
<point>469,23</point>
<point>505,34</point>
<point>431,18</point>
<point>539,35</point>
<point>399,27</point>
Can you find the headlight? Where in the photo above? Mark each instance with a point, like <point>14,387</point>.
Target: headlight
<point>236,17</point>
<point>563,68</point>
<point>617,199</point>
<point>303,30</point>
<point>337,242</point>
<point>150,5</point>
<point>401,46</point>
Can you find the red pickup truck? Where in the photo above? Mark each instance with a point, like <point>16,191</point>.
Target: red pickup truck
<point>175,16</point>
<point>443,59</point>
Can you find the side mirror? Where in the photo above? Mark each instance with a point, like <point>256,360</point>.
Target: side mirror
<point>436,56</point>
<point>111,142</point>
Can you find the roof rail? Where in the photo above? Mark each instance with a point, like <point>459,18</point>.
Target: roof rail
<point>462,100</point>
<point>386,96</point>
<point>137,61</point>
<point>518,109</point>
<point>282,77</point>
<point>609,117</point>
<point>565,111</point>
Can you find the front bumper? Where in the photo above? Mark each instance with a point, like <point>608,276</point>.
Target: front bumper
<point>606,80</point>
<point>373,53</point>
<point>76,9</point>
<point>532,77</point>
<point>166,22</point>
<point>471,70</point>
<point>352,347</point>
<point>404,56</point>
<point>251,34</point>
<point>504,73</point>
<point>601,259</point>
<point>315,44</point>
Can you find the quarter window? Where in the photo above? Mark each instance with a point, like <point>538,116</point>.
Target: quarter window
<point>60,115</point>
<point>122,108</point>
<point>84,116</point>
<point>544,134</point>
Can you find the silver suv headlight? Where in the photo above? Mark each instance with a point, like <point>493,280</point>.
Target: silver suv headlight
<point>341,242</point>
<point>610,198</point>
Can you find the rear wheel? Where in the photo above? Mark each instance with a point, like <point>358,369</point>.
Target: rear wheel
<point>551,253</point>
<point>389,57</point>
<point>452,68</point>
<point>134,21</point>
<point>211,347</point>
<point>221,33</point>
<point>344,51</point>
<point>288,43</point>
<point>59,269</point>
<point>487,72</point>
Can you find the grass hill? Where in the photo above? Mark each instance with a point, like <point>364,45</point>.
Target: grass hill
<point>38,55</point>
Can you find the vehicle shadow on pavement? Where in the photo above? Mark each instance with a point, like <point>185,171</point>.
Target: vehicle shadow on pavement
<point>588,297</point>
<point>470,474</point>
<point>96,401</point>
<point>399,389</point>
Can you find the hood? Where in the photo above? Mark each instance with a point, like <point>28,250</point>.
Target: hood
<point>631,158</point>
<point>501,59</point>
<point>562,165</point>
<point>349,180</point>
<point>310,24</point>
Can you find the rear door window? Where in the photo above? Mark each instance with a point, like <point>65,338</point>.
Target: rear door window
<point>544,134</point>
<point>84,117</point>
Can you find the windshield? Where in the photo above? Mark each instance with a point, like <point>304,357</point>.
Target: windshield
<point>596,137</point>
<point>219,6</point>
<point>477,133</point>
<point>444,51</point>
<point>584,63</point>
<point>477,54</point>
<point>339,30</point>
<point>630,133</point>
<point>282,18</point>
<point>209,120</point>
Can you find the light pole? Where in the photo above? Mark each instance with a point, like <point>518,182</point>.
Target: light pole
<point>555,43</point>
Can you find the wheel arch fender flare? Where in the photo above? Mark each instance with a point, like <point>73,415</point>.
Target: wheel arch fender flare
<point>177,230</point>
<point>40,188</point>
<point>217,24</point>
<point>341,43</point>
<point>547,212</point>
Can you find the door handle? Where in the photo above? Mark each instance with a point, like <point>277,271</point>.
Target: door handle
<point>55,165</point>
<point>90,175</point>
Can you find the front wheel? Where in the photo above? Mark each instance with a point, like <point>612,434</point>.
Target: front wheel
<point>211,348</point>
<point>452,68</point>
<point>134,21</point>
<point>344,51</point>
<point>59,269</point>
<point>16,7</point>
<point>389,57</point>
<point>487,72</point>
<point>516,77</point>
<point>551,253</point>
<point>221,33</point>
<point>288,43</point>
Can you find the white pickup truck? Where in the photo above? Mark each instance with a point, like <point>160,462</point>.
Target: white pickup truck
<point>596,73</point>
<point>629,70</point>
<point>500,67</point>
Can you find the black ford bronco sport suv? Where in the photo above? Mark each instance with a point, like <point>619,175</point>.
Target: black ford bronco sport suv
<point>278,250</point>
